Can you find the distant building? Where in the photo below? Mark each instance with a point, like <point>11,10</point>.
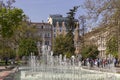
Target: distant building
<point>53,19</point>
<point>44,32</point>
<point>59,24</point>
<point>99,37</point>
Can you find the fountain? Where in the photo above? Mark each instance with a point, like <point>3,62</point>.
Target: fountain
<point>50,67</point>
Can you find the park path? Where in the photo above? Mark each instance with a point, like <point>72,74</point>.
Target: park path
<point>5,72</point>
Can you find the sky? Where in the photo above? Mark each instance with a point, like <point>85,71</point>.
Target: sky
<point>39,10</point>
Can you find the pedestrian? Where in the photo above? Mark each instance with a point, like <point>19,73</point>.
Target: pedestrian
<point>115,61</point>
<point>98,62</point>
<point>6,61</point>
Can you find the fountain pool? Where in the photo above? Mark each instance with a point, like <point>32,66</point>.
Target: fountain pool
<point>50,67</point>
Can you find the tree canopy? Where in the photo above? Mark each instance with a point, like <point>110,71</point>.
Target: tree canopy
<point>62,45</point>
<point>16,32</point>
<point>112,46</point>
<point>10,19</point>
<point>27,46</point>
<point>89,51</point>
<point>71,18</point>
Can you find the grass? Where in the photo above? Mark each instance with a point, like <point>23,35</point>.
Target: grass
<point>2,63</point>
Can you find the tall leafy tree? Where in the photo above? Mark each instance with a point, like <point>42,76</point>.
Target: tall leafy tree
<point>27,46</point>
<point>65,44</point>
<point>59,45</point>
<point>62,45</point>
<point>24,32</point>
<point>112,46</point>
<point>71,18</point>
<point>70,27</point>
<point>10,19</point>
<point>90,51</point>
<point>69,45</point>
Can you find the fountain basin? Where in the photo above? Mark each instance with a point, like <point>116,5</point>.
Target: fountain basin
<point>66,73</point>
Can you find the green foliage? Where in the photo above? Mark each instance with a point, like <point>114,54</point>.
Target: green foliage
<point>26,46</point>
<point>9,21</point>
<point>112,46</point>
<point>90,51</point>
<point>59,45</point>
<point>69,43</point>
<point>6,49</point>
<point>71,18</point>
<point>68,54</point>
<point>10,53</point>
<point>62,45</point>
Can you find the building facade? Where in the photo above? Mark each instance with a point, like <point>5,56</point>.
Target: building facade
<point>44,33</point>
<point>99,37</point>
<point>59,24</point>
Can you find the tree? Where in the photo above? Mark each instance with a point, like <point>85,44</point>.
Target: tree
<point>89,51</point>
<point>10,19</point>
<point>101,12</point>
<point>69,45</point>
<point>112,46</point>
<point>27,46</point>
<point>62,45</point>
<point>59,45</point>
<point>25,32</point>
<point>71,24</point>
<point>71,18</point>
<point>106,13</point>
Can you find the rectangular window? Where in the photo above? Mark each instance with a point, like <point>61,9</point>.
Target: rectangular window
<point>48,34</point>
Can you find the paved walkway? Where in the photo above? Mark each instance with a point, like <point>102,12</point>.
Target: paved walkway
<point>105,69</point>
<point>4,72</point>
